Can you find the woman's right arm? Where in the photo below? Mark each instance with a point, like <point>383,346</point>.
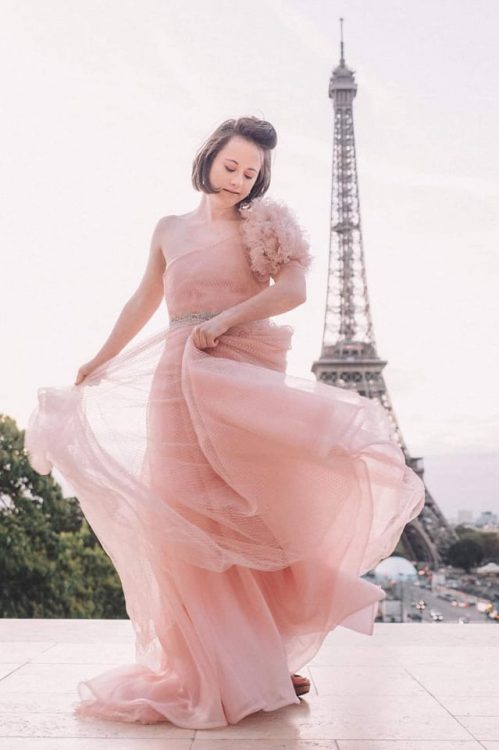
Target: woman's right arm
<point>138,309</point>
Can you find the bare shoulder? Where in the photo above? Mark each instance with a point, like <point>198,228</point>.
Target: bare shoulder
<point>165,223</point>
<point>172,223</point>
<point>171,231</point>
<point>165,232</point>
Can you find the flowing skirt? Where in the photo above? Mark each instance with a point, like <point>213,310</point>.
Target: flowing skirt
<point>240,506</point>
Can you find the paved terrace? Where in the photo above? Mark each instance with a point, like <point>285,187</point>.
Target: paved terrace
<point>413,686</point>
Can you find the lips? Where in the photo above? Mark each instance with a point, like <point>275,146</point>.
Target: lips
<point>231,191</point>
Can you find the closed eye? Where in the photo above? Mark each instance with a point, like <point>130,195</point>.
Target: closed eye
<point>233,170</point>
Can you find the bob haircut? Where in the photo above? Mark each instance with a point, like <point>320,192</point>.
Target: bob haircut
<point>259,132</point>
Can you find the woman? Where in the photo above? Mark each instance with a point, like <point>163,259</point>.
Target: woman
<point>239,504</point>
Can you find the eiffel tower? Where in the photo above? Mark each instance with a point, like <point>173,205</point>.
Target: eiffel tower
<point>349,357</point>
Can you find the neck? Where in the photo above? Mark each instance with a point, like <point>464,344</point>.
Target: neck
<point>211,210</point>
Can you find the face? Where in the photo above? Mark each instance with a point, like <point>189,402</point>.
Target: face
<point>235,169</point>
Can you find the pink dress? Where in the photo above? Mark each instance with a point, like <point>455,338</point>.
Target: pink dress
<point>239,504</point>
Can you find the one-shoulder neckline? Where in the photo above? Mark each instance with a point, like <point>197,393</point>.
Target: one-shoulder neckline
<point>233,235</point>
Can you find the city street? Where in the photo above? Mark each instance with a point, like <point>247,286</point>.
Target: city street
<point>451,614</point>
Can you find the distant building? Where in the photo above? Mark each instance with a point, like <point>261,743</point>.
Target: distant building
<point>486,518</point>
<point>395,568</point>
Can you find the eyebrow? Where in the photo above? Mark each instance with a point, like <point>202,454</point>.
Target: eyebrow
<point>236,162</point>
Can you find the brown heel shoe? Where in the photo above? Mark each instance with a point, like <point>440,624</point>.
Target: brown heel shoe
<point>301,684</point>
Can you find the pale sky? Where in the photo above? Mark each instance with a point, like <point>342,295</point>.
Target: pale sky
<point>104,106</point>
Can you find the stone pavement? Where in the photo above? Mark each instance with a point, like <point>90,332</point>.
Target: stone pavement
<point>412,686</point>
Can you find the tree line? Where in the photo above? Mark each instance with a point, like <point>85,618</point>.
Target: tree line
<point>51,562</point>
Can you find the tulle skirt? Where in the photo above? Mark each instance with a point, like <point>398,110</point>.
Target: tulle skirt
<point>240,506</point>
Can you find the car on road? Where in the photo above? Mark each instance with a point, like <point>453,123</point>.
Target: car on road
<point>415,616</point>
<point>436,616</point>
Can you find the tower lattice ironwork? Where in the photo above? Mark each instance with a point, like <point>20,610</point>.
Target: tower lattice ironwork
<point>349,357</point>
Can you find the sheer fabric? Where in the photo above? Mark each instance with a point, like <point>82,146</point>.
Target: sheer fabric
<point>239,504</point>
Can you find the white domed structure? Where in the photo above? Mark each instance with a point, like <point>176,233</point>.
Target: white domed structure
<point>395,568</point>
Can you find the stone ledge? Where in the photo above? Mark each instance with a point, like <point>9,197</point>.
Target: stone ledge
<point>411,686</point>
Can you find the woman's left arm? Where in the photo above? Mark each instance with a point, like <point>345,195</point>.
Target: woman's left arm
<point>288,291</point>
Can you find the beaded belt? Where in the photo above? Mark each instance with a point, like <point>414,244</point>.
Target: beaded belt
<point>193,317</point>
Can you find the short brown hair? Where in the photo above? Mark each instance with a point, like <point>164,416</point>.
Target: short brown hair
<point>259,132</point>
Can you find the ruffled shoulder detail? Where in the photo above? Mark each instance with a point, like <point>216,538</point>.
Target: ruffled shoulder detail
<point>273,237</point>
